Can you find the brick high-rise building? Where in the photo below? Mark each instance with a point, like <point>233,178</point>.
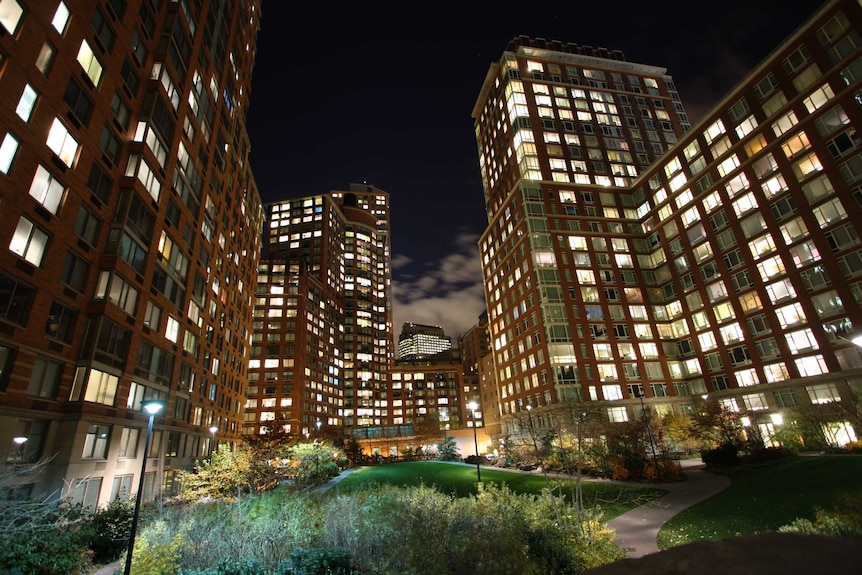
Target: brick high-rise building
<point>630,255</point>
<point>131,231</point>
<point>323,317</point>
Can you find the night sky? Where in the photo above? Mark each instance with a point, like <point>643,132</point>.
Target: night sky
<point>363,94</point>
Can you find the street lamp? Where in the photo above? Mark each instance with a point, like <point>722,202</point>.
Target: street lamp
<point>19,442</point>
<point>152,407</point>
<point>318,423</point>
<point>473,407</point>
<point>213,430</point>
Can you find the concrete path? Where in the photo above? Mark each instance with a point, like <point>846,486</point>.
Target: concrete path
<point>638,529</point>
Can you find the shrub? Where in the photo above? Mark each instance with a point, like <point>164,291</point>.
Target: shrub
<point>157,551</point>
<point>41,537</point>
<point>846,521</point>
<point>726,454</point>
<point>318,561</point>
<point>109,530</point>
<point>231,566</point>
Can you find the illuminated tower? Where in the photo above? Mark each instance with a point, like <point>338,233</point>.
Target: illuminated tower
<point>130,229</point>
<point>322,341</point>
<point>726,267</point>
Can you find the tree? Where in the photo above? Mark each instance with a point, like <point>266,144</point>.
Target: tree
<point>227,475</point>
<point>313,463</point>
<point>448,450</point>
<point>680,433</point>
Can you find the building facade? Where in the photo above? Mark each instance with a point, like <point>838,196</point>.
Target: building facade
<point>131,231</point>
<point>418,341</point>
<point>323,315</point>
<point>726,265</point>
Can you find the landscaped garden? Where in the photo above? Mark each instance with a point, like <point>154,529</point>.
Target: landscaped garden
<point>260,510</point>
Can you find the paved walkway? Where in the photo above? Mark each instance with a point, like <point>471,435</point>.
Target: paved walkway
<point>638,529</point>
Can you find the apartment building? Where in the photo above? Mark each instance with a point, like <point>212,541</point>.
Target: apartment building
<point>323,316</point>
<point>130,228</point>
<point>631,255</point>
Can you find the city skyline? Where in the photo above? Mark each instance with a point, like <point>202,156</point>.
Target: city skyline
<point>369,118</point>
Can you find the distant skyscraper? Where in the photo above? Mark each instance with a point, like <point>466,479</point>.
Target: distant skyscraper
<point>418,341</point>
<point>131,230</point>
<point>322,339</point>
<point>627,255</point>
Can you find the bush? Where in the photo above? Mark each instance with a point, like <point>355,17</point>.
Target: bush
<point>726,454</point>
<point>846,521</point>
<point>157,551</point>
<point>763,454</point>
<point>319,561</point>
<point>42,538</point>
<point>109,530</point>
<point>231,566</point>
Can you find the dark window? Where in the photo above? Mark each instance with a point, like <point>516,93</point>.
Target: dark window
<point>61,322</point>
<point>110,145</point>
<point>79,103</point>
<point>7,360</point>
<point>99,182</point>
<point>120,109</point>
<point>129,76</point>
<point>87,225</point>
<point>15,301</point>
<point>74,272</point>
<point>104,33</point>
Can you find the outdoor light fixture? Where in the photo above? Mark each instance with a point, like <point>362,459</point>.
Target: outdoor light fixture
<point>473,407</point>
<point>19,440</point>
<point>318,423</point>
<point>213,430</point>
<point>151,407</point>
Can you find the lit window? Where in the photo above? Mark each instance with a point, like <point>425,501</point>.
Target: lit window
<point>45,58</point>
<point>819,97</point>
<point>809,366</point>
<point>61,18</point>
<point>90,63</point>
<point>824,393</point>
<point>62,143</point>
<point>8,148</point>
<point>10,15</point>
<point>26,103</point>
<point>172,329</point>
<point>47,190</point>
<point>617,414</point>
<point>29,242</point>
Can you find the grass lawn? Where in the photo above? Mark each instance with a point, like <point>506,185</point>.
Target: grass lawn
<point>765,498</point>
<point>460,480</point>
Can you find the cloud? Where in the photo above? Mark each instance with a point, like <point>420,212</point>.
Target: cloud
<point>448,292</point>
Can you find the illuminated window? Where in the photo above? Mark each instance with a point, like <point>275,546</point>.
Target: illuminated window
<point>47,190</point>
<point>8,148</point>
<point>62,143</point>
<point>29,241</point>
<point>61,18</point>
<point>617,414</point>
<point>10,15</point>
<point>26,103</point>
<point>92,66</point>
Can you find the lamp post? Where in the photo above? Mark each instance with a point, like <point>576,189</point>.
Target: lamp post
<point>20,442</point>
<point>152,407</point>
<point>318,423</point>
<point>473,407</point>
<point>213,430</point>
